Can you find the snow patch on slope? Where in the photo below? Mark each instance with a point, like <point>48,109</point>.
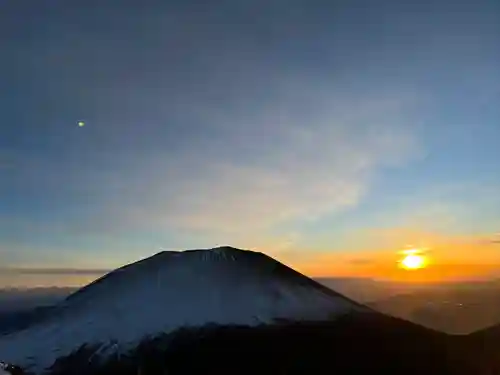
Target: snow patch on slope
<point>171,290</point>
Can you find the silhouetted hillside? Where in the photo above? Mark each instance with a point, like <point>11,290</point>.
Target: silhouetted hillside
<point>370,344</point>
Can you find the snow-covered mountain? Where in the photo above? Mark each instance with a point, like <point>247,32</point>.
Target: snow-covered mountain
<point>171,290</point>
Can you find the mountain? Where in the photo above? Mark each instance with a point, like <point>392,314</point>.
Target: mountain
<point>168,291</point>
<point>458,308</point>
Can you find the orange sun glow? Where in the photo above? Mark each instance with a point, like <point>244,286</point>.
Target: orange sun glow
<point>413,261</point>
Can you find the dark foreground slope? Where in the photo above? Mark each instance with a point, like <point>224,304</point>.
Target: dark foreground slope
<point>359,344</point>
<point>486,345</point>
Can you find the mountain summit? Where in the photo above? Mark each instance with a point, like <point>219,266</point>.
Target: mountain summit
<point>170,290</point>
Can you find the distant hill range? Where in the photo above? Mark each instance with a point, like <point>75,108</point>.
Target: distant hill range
<point>12,299</point>
<point>455,308</point>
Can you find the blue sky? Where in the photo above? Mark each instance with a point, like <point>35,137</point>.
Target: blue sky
<point>292,127</point>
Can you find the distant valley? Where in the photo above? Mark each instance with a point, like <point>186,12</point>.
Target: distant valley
<point>459,308</point>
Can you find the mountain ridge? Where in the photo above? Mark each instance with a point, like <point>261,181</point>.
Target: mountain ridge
<point>170,290</point>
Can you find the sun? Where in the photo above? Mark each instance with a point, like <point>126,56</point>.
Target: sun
<point>413,262</point>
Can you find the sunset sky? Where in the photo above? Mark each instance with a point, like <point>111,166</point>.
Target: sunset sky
<point>327,134</point>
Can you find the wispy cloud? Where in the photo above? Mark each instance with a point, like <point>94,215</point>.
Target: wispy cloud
<point>362,261</point>
<point>263,171</point>
<point>277,168</point>
<point>51,271</point>
<point>496,238</point>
